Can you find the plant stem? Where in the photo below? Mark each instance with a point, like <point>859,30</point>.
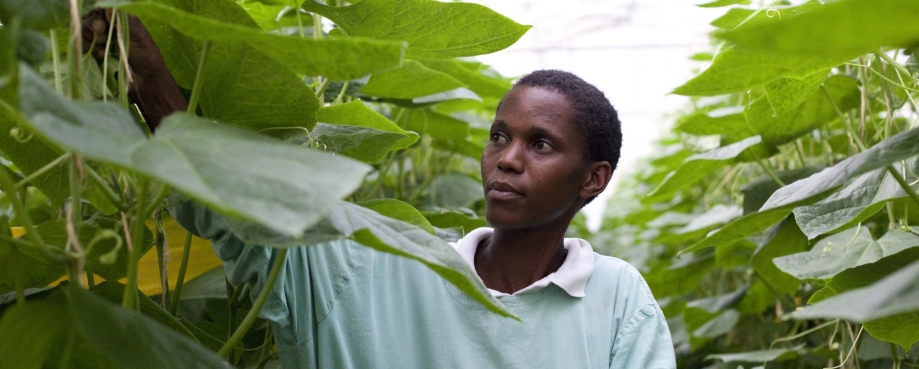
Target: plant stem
<point>76,56</point>
<point>256,305</point>
<point>196,89</point>
<point>8,187</point>
<point>129,300</point>
<point>74,219</point>
<point>160,196</point>
<point>56,63</point>
<point>852,133</point>
<point>17,269</point>
<point>177,295</point>
<point>122,38</point>
<point>768,169</point>
<point>341,94</point>
<point>906,187</point>
<point>43,170</point>
<point>105,58</point>
<point>162,249</point>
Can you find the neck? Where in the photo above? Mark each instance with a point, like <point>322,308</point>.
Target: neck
<point>511,260</point>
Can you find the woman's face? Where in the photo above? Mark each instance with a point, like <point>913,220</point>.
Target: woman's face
<point>533,168</point>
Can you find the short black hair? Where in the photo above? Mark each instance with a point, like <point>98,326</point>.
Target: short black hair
<point>594,114</point>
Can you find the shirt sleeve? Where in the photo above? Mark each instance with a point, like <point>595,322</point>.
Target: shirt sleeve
<point>644,341</point>
<point>305,290</point>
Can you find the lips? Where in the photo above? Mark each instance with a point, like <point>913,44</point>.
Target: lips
<point>498,190</point>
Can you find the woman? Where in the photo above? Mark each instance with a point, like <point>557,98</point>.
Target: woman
<point>554,145</point>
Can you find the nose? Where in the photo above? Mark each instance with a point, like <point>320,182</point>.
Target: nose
<point>511,158</point>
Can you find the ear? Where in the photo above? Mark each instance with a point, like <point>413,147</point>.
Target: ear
<point>598,176</point>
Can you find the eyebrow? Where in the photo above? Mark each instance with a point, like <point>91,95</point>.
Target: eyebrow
<point>533,131</point>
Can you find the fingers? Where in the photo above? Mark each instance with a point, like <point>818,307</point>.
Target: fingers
<point>95,32</point>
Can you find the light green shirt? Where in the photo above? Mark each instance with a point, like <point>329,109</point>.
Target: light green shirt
<point>343,305</point>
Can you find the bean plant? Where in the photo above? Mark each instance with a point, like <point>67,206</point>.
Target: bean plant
<point>777,226</point>
<point>307,122</point>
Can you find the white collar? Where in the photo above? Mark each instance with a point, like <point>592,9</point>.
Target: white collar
<point>571,276</point>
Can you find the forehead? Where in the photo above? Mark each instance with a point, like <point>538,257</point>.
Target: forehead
<point>537,105</point>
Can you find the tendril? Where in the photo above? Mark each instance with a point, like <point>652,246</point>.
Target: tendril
<point>21,135</point>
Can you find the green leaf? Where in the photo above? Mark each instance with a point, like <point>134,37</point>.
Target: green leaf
<point>411,80</point>
<point>698,166</point>
<point>901,328</point>
<point>113,292</point>
<point>785,239</point>
<point>29,155</point>
<point>211,284</point>
<point>356,113</point>
<point>400,210</point>
<point>40,331</point>
<point>451,219</point>
<point>39,15</point>
<point>736,70</point>
<point>736,17</point>
<point>365,144</point>
<point>718,214</point>
<point>454,190</point>
<point>723,121</point>
<point>396,237</point>
<point>899,147</point>
<point>785,94</point>
<point>760,356</point>
<point>280,186</point>
<point>720,3</point>
<point>742,228</point>
<point>478,82</point>
<point>894,294</point>
<point>842,29</point>
<point>776,127</point>
<point>284,187</point>
<point>280,17</point>
<point>31,330</point>
<point>241,85</point>
<point>437,125</point>
<point>339,59</point>
<point>758,191</point>
<point>841,251</point>
<point>434,30</point>
<point>856,201</point>
<point>97,130</point>
<point>719,325</point>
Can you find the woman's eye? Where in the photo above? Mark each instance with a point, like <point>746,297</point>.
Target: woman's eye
<point>498,139</point>
<point>542,146</point>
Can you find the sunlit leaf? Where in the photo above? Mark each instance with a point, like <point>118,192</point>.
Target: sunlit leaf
<point>841,29</point>
<point>434,30</point>
<point>410,80</point>
<point>698,166</point>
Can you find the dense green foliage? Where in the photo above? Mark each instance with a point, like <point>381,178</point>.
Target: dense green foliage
<point>294,135</point>
<point>777,227</point>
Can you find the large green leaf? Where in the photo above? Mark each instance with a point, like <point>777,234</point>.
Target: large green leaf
<point>397,237</point>
<point>451,219</point>
<point>369,145</point>
<point>435,124</point>
<point>433,29</point>
<point>40,331</point>
<point>735,70</point>
<point>758,191</point>
<point>844,250</point>
<point>759,356</point>
<point>903,328</point>
<point>723,121</point>
<point>409,81</point>
<point>400,210</point>
<point>855,202</point>
<point>718,214</point>
<point>36,14</point>
<point>810,189</point>
<point>720,3</point>
<point>29,155</point>
<point>783,240</point>
<point>841,29</point>
<point>241,85</point>
<point>736,17</point>
<point>698,166</point>
<point>284,187</point>
<point>356,113</point>
<point>340,59</point>
<point>479,83</point>
<point>894,294</point>
<point>785,94</point>
<point>778,127</point>
<point>899,147</point>
<point>279,185</point>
